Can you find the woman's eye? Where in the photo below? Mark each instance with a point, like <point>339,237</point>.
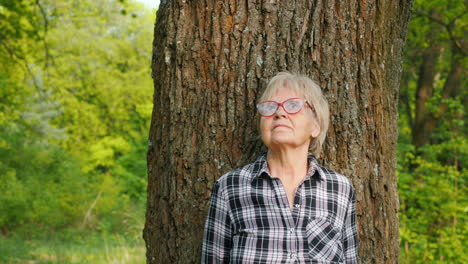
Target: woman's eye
<point>271,106</point>
<point>293,105</point>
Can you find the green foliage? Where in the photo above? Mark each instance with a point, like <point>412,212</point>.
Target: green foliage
<point>432,186</point>
<point>19,20</point>
<point>42,184</point>
<point>433,203</point>
<point>432,179</point>
<point>433,212</point>
<point>75,105</point>
<point>131,168</point>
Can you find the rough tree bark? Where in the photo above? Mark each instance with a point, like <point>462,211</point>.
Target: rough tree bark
<point>212,60</point>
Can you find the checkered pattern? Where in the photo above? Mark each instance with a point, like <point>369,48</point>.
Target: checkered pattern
<point>250,221</point>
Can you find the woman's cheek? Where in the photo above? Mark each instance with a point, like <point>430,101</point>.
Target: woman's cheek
<point>265,133</point>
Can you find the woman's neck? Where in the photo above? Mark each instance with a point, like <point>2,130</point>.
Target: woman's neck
<point>288,164</point>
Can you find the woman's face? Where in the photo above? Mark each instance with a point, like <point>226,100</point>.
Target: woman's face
<point>288,130</point>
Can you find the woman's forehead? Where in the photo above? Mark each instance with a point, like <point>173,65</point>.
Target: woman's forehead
<point>286,93</point>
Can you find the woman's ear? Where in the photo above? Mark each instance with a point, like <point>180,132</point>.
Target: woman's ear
<point>315,130</point>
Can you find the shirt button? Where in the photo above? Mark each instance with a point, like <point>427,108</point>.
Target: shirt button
<point>296,205</point>
<point>292,230</point>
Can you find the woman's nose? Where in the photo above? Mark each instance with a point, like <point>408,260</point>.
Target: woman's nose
<point>280,112</point>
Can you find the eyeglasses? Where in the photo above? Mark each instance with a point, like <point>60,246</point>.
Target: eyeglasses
<point>290,106</point>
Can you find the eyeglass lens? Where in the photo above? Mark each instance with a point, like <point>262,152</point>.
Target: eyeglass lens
<point>291,106</point>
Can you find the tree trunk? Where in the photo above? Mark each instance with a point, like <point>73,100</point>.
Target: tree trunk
<point>424,92</point>
<point>212,60</point>
<point>426,120</point>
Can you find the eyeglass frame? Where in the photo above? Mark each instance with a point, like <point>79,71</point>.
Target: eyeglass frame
<point>281,104</point>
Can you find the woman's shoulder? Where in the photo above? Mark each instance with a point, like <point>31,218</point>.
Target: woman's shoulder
<point>243,175</point>
<point>334,179</point>
<point>240,174</point>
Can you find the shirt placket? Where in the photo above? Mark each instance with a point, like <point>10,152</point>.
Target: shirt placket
<point>290,218</point>
<point>296,215</point>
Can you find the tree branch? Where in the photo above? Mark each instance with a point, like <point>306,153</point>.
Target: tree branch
<point>20,60</point>
<point>44,39</point>
<point>449,27</point>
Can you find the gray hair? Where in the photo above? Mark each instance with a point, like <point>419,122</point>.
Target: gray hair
<point>303,85</point>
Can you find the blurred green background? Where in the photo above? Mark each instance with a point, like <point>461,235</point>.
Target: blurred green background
<point>432,143</point>
<point>75,106</point>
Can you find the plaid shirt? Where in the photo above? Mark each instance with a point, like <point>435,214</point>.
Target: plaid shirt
<point>250,221</point>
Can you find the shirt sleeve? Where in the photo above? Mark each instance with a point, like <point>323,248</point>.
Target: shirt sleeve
<point>350,239</point>
<point>217,237</point>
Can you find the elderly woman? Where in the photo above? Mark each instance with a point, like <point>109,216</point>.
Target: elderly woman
<point>285,207</point>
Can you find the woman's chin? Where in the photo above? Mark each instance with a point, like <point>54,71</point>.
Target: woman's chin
<point>282,141</point>
<point>278,142</point>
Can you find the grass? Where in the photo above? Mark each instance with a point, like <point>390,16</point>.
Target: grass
<point>72,246</point>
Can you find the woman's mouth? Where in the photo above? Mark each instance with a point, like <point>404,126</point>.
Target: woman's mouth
<point>276,126</point>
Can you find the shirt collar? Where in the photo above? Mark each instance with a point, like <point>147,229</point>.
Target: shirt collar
<point>260,167</point>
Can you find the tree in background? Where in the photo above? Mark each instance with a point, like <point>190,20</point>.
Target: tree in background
<point>74,110</point>
<point>436,56</point>
<point>212,59</point>
<point>31,166</point>
<point>104,88</point>
<point>432,144</point>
